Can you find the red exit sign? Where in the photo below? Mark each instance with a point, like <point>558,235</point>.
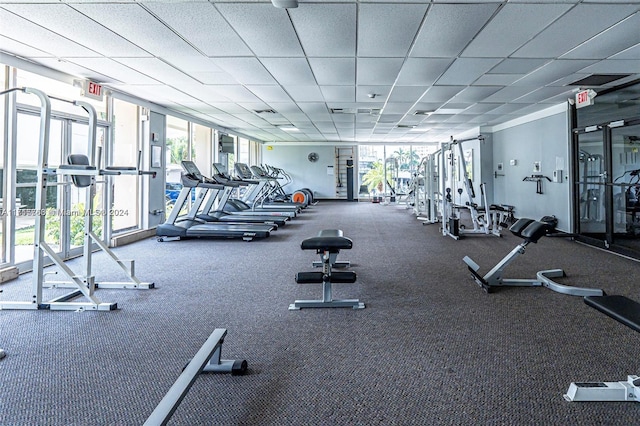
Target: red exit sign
<point>93,90</point>
<point>585,98</point>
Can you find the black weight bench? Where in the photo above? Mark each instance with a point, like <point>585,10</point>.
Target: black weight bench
<point>328,244</point>
<point>627,312</point>
<point>333,254</point>
<point>530,231</point>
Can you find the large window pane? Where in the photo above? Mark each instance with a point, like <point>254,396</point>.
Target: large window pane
<point>125,153</point>
<point>202,147</point>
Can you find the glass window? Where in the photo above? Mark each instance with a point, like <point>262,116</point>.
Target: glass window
<point>243,151</point>
<point>125,153</point>
<point>58,89</point>
<point>202,147</point>
<point>177,147</point>
<point>371,170</point>
<point>3,142</point>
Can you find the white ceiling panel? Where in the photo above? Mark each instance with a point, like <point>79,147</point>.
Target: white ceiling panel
<point>387,30</point>
<point>217,77</point>
<point>518,66</point>
<point>334,71</point>
<point>378,71</point>
<point>20,49</point>
<point>406,93</point>
<point>474,94</point>
<point>269,93</point>
<point>552,72</point>
<point>326,30</point>
<point>631,53</point>
<point>286,107</point>
<point>315,110</point>
<point>206,93</point>
<point>290,71</point>
<point>497,79</point>
<point>76,70</point>
<point>363,92</point>
<point>580,23</point>
<point>73,25</point>
<point>543,93</point>
<point>448,28</point>
<point>158,70</point>
<point>441,93</point>
<point>125,19</point>
<point>397,108</point>
<point>265,29</point>
<point>192,63</point>
<point>238,93</point>
<point>194,22</point>
<point>338,93</point>
<point>422,71</point>
<point>509,29</point>
<point>465,71</point>
<point>19,29</point>
<point>245,70</point>
<point>609,42</point>
<point>508,94</point>
<point>305,93</point>
<point>480,108</point>
<point>613,66</point>
<point>115,70</point>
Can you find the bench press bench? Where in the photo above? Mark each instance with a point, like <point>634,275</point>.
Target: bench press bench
<point>327,244</point>
<point>333,254</point>
<point>627,312</point>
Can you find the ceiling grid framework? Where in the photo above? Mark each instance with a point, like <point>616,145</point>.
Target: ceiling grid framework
<point>347,71</point>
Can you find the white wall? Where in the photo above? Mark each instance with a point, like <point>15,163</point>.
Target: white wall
<point>545,140</point>
<point>305,174</point>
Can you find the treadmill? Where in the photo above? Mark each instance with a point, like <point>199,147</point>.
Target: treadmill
<point>257,196</point>
<point>235,206</point>
<point>183,227</point>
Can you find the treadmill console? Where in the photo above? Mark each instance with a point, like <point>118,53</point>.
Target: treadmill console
<point>193,172</point>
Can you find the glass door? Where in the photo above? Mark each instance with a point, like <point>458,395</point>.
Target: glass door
<point>625,145</point>
<point>591,188</point>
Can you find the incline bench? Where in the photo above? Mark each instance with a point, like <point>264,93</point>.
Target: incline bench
<point>328,244</point>
<point>626,311</point>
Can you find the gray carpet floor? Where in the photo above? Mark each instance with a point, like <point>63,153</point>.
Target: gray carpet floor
<point>431,348</point>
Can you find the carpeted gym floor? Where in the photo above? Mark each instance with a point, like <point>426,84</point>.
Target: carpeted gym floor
<point>430,348</point>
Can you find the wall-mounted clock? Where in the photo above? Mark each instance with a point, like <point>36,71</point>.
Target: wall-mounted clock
<point>313,157</point>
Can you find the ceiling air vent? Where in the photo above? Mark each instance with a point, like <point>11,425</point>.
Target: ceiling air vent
<point>598,79</point>
<point>405,126</point>
<point>342,110</point>
<point>264,111</point>
<point>422,112</point>
<point>370,111</point>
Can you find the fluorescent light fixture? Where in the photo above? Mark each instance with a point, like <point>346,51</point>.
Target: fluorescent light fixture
<point>289,128</point>
<point>422,112</point>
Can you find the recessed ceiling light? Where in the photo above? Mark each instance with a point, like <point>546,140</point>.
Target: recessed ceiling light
<point>289,128</point>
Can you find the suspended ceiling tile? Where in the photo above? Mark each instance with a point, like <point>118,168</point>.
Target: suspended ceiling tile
<point>192,63</point>
<point>422,71</point>
<point>397,108</point>
<point>507,108</point>
<point>614,66</point>
<point>326,29</point>
<point>552,71</point>
<point>158,70</point>
<point>315,110</point>
<point>237,93</point>
<point>115,70</point>
<point>73,25</point>
<point>497,79</point>
<point>507,31</point>
<point>543,93</point>
<point>580,23</point>
<point>449,27</point>
<point>474,94</point>
<point>480,108</point>
<point>406,93</point>
<point>245,70</point>
<point>202,25</point>
<point>76,70</point>
<point>510,93</point>
<point>334,71</point>
<point>20,49</point>
<point>216,77</point>
<point>378,71</point>
<point>286,107</point>
<point>338,93</point>
<point>387,30</point>
<point>441,93</point>
<point>290,71</point>
<point>229,107</point>
<point>609,42</point>
<point>632,52</point>
<point>265,29</point>
<point>205,93</point>
<point>305,93</point>
<point>18,28</point>
<point>518,66</point>
<point>269,93</point>
<point>465,71</point>
<point>125,19</point>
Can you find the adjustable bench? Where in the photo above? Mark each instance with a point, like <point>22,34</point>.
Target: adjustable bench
<point>328,244</point>
<point>627,312</point>
<point>333,253</point>
<point>530,231</point>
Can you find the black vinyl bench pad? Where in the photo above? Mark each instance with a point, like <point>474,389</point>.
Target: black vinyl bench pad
<point>327,243</point>
<point>620,308</point>
<point>347,277</point>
